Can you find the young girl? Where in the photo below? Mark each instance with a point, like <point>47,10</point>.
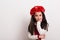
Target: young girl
<point>38,25</point>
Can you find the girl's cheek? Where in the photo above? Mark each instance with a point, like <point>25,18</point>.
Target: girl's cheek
<point>40,18</point>
<point>36,18</point>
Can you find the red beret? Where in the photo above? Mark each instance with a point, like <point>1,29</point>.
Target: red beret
<point>37,9</point>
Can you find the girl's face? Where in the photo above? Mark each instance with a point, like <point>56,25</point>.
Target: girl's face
<point>38,16</point>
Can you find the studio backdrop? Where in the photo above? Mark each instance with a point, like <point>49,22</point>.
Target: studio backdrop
<point>15,18</point>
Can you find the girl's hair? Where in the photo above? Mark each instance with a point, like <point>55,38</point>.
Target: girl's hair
<point>44,24</point>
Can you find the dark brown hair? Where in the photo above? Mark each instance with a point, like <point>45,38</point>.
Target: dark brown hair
<point>44,24</point>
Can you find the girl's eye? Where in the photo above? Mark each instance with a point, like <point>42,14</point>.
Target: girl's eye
<point>39,15</point>
<point>36,15</point>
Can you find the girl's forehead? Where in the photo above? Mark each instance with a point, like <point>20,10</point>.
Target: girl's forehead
<point>38,12</point>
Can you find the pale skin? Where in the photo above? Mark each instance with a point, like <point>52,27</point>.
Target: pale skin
<point>38,16</point>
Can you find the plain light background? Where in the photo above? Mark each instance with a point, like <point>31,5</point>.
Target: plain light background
<point>15,18</point>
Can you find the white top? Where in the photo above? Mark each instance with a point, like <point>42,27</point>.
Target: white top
<point>40,30</point>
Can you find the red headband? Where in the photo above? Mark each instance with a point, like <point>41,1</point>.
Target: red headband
<point>37,9</point>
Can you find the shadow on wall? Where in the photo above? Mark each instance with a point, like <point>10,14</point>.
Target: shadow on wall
<point>23,30</point>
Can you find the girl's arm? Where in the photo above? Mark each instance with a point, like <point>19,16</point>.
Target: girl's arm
<point>32,36</point>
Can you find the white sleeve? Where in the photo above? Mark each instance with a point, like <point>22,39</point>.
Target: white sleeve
<point>32,36</point>
<point>40,30</point>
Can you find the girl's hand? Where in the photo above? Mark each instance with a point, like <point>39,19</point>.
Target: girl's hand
<point>42,36</point>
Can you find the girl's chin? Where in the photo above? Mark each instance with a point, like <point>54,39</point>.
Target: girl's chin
<point>39,20</point>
